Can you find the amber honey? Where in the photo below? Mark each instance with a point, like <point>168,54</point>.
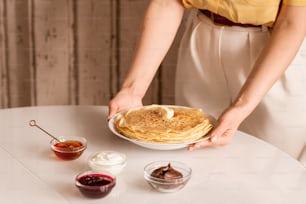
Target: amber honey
<point>69,149</point>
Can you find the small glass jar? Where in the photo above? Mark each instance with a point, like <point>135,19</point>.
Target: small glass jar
<point>167,185</point>
<point>68,148</point>
<point>94,184</point>
<point>107,161</point>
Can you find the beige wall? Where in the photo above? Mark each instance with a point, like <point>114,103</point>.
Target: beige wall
<point>62,52</point>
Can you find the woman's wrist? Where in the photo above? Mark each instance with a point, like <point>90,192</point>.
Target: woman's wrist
<point>245,106</point>
<point>131,91</point>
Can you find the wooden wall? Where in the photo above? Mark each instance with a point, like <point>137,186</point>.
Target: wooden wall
<point>72,52</point>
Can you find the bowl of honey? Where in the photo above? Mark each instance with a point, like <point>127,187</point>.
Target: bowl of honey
<point>95,184</point>
<point>68,148</point>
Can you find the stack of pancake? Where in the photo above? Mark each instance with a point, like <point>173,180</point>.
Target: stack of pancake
<point>164,124</point>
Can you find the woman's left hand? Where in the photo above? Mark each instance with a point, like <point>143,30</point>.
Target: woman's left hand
<point>223,133</point>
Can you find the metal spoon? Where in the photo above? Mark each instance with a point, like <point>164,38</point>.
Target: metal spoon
<point>32,123</point>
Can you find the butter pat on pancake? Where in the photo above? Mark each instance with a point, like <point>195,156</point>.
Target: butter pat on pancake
<point>164,124</point>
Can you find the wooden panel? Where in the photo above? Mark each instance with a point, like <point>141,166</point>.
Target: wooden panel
<point>18,53</point>
<point>114,68</point>
<point>73,84</point>
<point>3,59</point>
<point>94,50</point>
<point>51,27</point>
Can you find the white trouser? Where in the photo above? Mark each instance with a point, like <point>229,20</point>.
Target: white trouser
<point>214,62</point>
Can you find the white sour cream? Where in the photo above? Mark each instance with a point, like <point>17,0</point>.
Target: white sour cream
<point>109,161</point>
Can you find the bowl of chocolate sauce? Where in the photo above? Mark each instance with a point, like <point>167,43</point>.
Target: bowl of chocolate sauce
<point>167,176</point>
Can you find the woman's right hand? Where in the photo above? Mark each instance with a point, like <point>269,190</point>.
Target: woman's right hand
<point>123,101</point>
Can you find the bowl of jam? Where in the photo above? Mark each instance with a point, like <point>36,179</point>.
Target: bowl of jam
<point>95,184</point>
<point>68,148</point>
<point>167,176</point>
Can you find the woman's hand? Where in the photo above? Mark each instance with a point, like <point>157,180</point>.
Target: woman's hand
<point>123,101</point>
<point>228,124</point>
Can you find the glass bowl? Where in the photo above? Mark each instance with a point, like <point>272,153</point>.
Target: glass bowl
<point>167,185</point>
<point>95,184</point>
<point>68,148</point>
<point>107,161</point>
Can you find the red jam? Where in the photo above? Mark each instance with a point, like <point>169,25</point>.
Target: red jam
<point>95,185</point>
<point>68,150</point>
<point>95,180</point>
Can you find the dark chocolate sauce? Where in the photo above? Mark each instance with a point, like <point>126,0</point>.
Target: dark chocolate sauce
<point>167,173</point>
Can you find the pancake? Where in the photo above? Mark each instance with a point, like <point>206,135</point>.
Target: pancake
<point>164,124</point>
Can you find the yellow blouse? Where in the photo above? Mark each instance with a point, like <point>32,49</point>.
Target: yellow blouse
<point>257,12</point>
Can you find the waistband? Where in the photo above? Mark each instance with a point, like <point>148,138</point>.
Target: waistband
<point>217,19</point>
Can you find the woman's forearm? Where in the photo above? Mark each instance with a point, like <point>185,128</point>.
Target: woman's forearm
<point>287,36</point>
<point>159,28</point>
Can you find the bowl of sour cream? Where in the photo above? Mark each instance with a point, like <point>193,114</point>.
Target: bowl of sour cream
<point>107,161</point>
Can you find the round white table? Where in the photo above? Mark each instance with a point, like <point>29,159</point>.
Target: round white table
<point>246,171</point>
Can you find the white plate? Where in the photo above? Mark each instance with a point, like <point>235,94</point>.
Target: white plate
<point>155,145</point>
